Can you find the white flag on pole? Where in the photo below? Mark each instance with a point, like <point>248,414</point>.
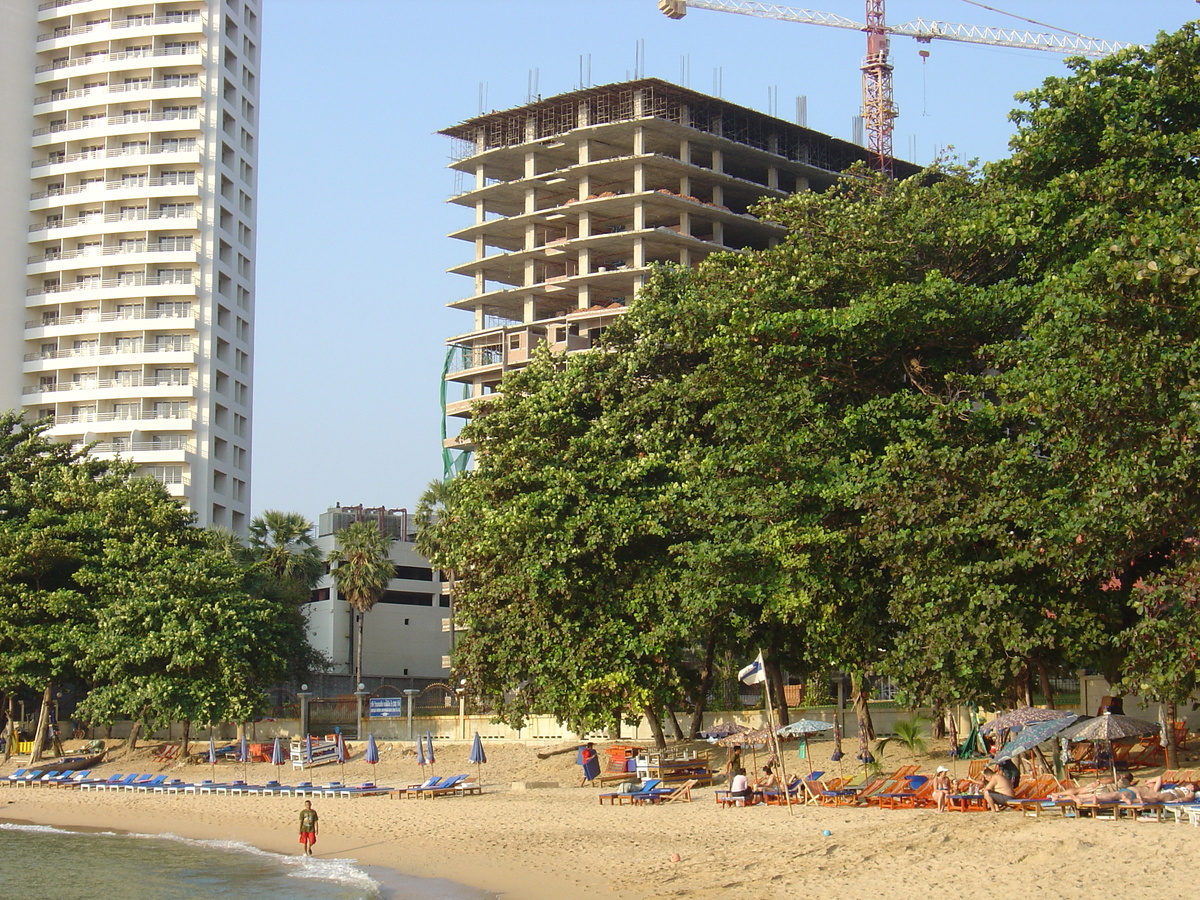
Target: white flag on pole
<point>753,673</point>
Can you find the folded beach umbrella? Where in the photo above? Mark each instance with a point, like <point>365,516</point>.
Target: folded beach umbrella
<point>421,760</point>
<point>837,754</point>
<point>429,748</point>
<point>212,756</point>
<point>244,754</point>
<point>341,753</point>
<point>477,756</point>
<point>277,753</point>
<point>953,733</point>
<point>372,755</point>
<point>308,749</point>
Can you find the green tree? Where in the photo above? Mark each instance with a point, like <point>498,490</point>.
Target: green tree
<point>362,568</point>
<point>281,545</point>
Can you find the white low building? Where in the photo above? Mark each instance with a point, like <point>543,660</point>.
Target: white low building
<point>404,634</point>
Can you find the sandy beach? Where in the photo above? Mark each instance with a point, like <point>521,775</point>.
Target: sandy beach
<point>560,843</point>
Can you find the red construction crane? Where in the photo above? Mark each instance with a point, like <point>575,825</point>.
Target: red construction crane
<point>878,110</point>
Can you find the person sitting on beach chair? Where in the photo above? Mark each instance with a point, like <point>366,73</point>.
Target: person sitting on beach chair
<point>996,788</point>
<point>739,788</point>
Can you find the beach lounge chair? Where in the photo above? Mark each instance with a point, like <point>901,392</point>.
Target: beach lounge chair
<point>144,787</point>
<point>15,776</point>
<point>71,779</point>
<point>101,783</point>
<point>413,790</point>
<point>620,797</point>
<point>918,790</point>
<point>174,786</point>
<point>447,786</point>
<point>166,753</point>
<point>681,793</point>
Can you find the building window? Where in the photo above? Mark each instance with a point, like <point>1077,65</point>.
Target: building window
<point>171,376</point>
<point>166,474</point>
<point>174,276</point>
<point>171,409</point>
<point>170,343</point>
<point>129,345</point>
<point>172,309</point>
<point>176,210</point>
<point>174,242</point>
<point>127,410</point>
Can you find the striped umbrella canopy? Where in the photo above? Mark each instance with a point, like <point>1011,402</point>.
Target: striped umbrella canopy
<point>759,738</point>
<point>1109,728</point>
<point>1019,718</point>
<point>725,729</point>
<point>1032,735</point>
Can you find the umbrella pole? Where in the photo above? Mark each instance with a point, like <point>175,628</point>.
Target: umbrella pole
<point>787,795</point>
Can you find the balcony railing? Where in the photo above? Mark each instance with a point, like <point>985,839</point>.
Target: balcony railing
<point>111,350</point>
<point>181,18</point>
<point>106,218</point>
<point>181,246</point>
<point>132,184</point>
<point>186,115</point>
<point>104,384</point>
<point>103,58</point>
<point>465,357</point>
<point>181,443</point>
<point>124,315</point>
<point>112,154</point>
<point>109,283</point>
<point>140,416</point>
<point>192,81</point>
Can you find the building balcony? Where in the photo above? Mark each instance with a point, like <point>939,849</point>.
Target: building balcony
<point>157,188</point>
<point>117,284</point>
<point>121,385</point>
<point>117,60</point>
<point>186,421</point>
<point>121,221</point>
<point>67,260</point>
<point>90,158</point>
<point>186,22</point>
<point>172,449</point>
<point>60,101</point>
<point>47,326</point>
<point>189,121</point>
<point>184,347</point>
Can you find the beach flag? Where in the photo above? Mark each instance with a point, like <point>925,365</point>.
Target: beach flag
<point>753,673</point>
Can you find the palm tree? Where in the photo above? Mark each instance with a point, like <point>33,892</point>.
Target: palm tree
<point>362,570</point>
<point>282,548</point>
<point>432,506</point>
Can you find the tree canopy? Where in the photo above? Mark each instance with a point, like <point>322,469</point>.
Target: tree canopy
<point>944,431</point>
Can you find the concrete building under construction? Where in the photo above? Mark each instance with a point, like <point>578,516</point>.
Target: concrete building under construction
<point>576,197</point>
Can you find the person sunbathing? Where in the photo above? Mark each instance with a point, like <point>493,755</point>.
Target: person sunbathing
<point>768,782</point>
<point>942,786</point>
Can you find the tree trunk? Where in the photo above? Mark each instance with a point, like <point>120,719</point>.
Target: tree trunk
<point>1172,759</point>
<point>859,694</point>
<point>39,735</point>
<point>358,647</point>
<point>134,731</point>
<point>185,739</point>
<point>1043,674</point>
<point>679,736</point>
<point>660,739</point>
<point>937,728</point>
<point>706,679</point>
<point>775,681</point>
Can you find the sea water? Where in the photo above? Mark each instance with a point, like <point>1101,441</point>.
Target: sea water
<point>38,861</point>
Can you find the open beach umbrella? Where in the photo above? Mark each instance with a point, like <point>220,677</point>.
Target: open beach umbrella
<point>1032,735</point>
<point>752,739</point>
<point>1109,728</point>
<point>372,755</point>
<point>725,729</point>
<point>477,756</point>
<point>1019,718</point>
<point>801,729</point>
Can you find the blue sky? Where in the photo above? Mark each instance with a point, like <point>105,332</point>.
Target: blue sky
<point>352,216</point>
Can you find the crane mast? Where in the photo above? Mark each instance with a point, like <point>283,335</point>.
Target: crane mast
<point>878,109</point>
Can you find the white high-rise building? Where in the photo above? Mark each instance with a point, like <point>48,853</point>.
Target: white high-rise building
<point>127,213</point>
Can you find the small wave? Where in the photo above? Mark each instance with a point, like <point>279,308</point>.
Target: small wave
<point>340,871</point>
<point>49,829</point>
